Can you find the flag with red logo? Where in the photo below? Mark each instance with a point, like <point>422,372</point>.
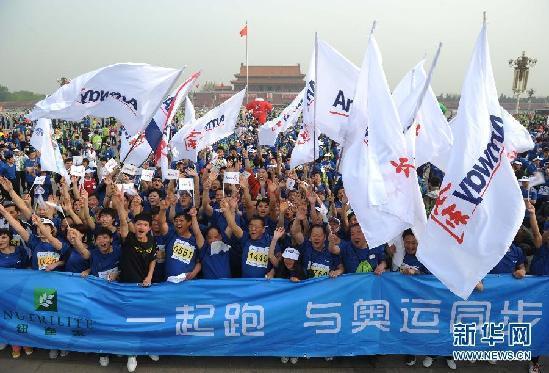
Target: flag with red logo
<point>480,207</point>
<point>244,31</point>
<point>379,176</point>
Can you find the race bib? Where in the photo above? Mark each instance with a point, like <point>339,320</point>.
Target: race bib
<point>105,274</point>
<point>183,251</point>
<point>257,256</point>
<point>317,269</point>
<point>46,258</point>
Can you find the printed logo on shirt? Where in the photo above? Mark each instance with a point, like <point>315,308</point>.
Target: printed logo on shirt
<point>257,256</point>
<point>318,269</point>
<point>45,299</point>
<point>183,251</point>
<point>46,258</point>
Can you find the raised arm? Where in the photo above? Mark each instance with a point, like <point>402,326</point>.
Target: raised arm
<point>196,193</point>
<point>538,240</point>
<point>15,224</point>
<point>117,203</point>
<point>86,217</point>
<point>46,233</point>
<point>162,217</point>
<point>230,217</point>
<point>278,233</point>
<point>196,229</point>
<point>75,239</point>
<point>206,208</point>
<point>21,205</point>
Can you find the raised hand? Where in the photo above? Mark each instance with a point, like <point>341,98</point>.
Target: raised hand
<point>193,212</point>
<point>6,184</point>
<point>164,204</point>
<point>278,233</point>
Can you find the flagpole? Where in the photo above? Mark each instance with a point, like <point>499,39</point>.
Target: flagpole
<point>247,87</point>
<point>316,102</point>
<point>425,86</point>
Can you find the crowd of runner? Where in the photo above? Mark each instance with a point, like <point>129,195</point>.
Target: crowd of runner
<point>275,223</point>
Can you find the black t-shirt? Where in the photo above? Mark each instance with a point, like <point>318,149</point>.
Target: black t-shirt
<point>135,259</point>
<point>282,272</point>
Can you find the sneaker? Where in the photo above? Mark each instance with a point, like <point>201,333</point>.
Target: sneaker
<point>329,358</point>
<point>131,364</point>
<point>534,368</point>
<point>28,350</point>
<point>16,354</point>
<point>3,346</point>
<point>451,364</point>
<point>103,361</point>
<point>154,357</point>
<point>428,361</point>
<point>53,354</point>
<point>284,360</point>
<point>293,360</point>
<point>411,361</point>
<point>63,353</point>
<point>492,362</point>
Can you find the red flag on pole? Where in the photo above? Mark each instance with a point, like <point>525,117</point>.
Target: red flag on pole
<point>244,31</point>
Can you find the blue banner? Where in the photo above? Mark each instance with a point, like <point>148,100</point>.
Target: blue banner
<point>358,314</point>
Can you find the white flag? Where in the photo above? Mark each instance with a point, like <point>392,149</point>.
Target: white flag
<point>304,150</point>
<point>215,125</point>
<point>479,208</point>
<point>136,149</point>
<point>50,156</point>
<point>428,135</point>
<point>190,114</point>
<point>269,131</point>
<point>379,178</point>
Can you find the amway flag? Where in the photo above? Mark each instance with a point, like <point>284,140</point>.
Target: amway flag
<point>143,143</point>
<point>190,114</point>
<point>428,135</point>
<point>50,156</point>
<point>288,117</point>
<point>379,178</point>
<point>130,92</point>
<point>215,125</point>
<point>304,150</point>
<point>479,208</point>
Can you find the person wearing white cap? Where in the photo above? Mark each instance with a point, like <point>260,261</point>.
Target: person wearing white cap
<point>288,266</point>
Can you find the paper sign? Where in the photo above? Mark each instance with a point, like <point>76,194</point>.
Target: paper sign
<point>78,171</point>
<point>186,183</point>
<point>147,175</point>
<point>172,174</point>
<point>128,189</point>
<point>231,178</point>
<point>77,160</point>
<point>290,183</point>
<point>129,169</point>
<point>39,180</point>
<point>111,165</point>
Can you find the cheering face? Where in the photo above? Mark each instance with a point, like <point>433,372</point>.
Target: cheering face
<point>106,220</point>
<point>142,228</point>
<point>42,211</point>
<point>410,244</point>
<point>93,202</point>
<point>289,263</point>
<point>12,210</point>
<point>318,238</point>
<point>157,183</point>
<point>341,194</point>
<point>154,199</point>
<point>263,209</point>
<point>256,229</point>
<point>219,195</point>
<point>216,185</point>
<point>103,242</point>
<point>185,199</point>
<point>181,224</point>
<point>357,237</point>
<point>262,175</point>
<point>334,226</point>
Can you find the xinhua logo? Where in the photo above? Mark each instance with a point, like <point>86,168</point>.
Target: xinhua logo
<point>45,299</point>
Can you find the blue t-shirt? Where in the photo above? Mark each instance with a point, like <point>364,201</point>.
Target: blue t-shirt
<point>159,274</point>
<point>216,261</point>
<point>255,256</point>
<point>352,256</point>
<point>317,263</point>
<point>43,253</point>
<point>8,171</point>
<point>101,263</point>
<point>181,255</point>
<point>413,261</point>
<point>540,262</point>
<point>512,258</point>
<point>18,259</point>
<point>76,263</point>
<point>30,163</point>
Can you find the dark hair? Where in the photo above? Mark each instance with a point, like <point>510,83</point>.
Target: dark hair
<point>109,211</point>
<point>256,217</point>
<point>321,226</point>
<point>6,231</point>
<point>354,225</point>
<point>185,214</point>
<point>155,210</point>
<point>408,232</point>
<point>143,216</point>
<point>102,231</point>
<point>211,227</point>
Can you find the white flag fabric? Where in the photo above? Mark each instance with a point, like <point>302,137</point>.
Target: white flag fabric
<point>215,125</point>
<point>269,131</point>
<point>480,207</point>
<point>190,114</point>
<point>428,135</point>
<point>130,92</point>
<point>517,139</point>
<point>335,91</point>
<point>304,147</point>
<point>50,155</point>
<point>150,139</point>
<point>379,178</point>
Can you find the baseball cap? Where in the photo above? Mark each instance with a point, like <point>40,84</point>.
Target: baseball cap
<point>291,253</point>
<point>334,219</point>
<point>48,221</point>
<point>524,178</point>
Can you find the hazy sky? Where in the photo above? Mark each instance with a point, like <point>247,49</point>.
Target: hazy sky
<point>41,40</point>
